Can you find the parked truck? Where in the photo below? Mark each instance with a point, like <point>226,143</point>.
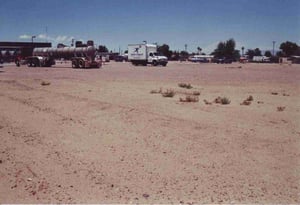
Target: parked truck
<point>143,54</point>
<point>82,57</point>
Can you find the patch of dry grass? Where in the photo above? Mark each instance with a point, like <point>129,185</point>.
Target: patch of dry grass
<point>222,100</point>
<point>156,91</point>
<point>189,98</point>
<point>185,85</point>
<point>280,108</point>
<point>225,101</point>
<point>43,83</point>
<point>248,100</point>
<point>169,93</point>
<point>207,102</point>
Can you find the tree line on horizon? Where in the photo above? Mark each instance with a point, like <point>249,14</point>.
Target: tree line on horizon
<point>226,49</point>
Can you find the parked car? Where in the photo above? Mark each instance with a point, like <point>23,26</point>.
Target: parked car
<point>223,60</point>
<point>119,58</point>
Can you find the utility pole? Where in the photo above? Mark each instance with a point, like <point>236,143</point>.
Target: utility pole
<point>47,34</point>
<point>274,48</point>
<point>32,37</point>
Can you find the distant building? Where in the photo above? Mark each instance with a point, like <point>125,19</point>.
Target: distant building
<point>295,59</point>
<point>10,50</point>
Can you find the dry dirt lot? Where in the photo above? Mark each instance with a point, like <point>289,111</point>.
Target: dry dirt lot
<point>99,136</point>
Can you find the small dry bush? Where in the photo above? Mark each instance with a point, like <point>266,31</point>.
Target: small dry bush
<point>218,100</point>
<point>207,102</point>
<point>185,85</point>
<point>196,93</point>
<point>274,93</point>
<point>43,83</point>
<point>189,98</point>
<point>280,109</point>
<point>188,86</point>
<point>246,102</point>
<point>250,98</point>
<point>156,91</point>
<point>169,93</point>
<point>225,101</point>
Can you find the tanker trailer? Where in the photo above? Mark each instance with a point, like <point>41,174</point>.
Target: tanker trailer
<point>83,57</point>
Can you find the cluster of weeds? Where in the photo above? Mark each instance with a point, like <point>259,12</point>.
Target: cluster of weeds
<point>222,100</point>
<point>207,102</point>
<point>283,94</point>
<point>189,98</point>
<point>279,109</point>
<point>185,85</point>
<point>43,83</point>
<point>156,91</point>
<point>169,93</point>
<point>248,100</point>
<point>225,101</point>
<point>218,100</point>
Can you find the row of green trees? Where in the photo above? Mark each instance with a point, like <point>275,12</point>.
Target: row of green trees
<point>287,49</point>
<point>227,49</point>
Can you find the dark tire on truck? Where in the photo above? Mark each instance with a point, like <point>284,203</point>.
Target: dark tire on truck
<point>36,62</point>
<point>81,64</point>
<point>164,64</point>
<point>75,64</point>
<point>154,63</point>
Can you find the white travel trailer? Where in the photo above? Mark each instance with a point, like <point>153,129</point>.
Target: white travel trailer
<point>261,59</point>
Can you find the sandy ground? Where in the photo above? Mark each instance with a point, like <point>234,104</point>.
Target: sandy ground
<point>99,136</point>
